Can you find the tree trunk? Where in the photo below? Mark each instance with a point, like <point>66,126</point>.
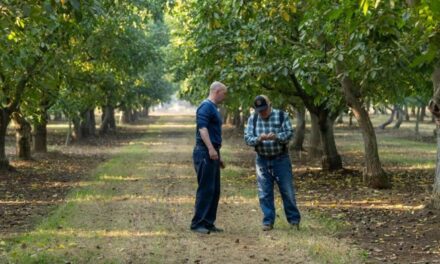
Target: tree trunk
<point>350,118</point>
<point>400,115</point>
<point>413,111</point>
<point>331,160</point>
<point>434,107</point>
<point>423,113</point>
<point>237,119</point>
<point>23,136</point>
<point>300,130</point>
<point>88,124</point>
<point>417,121</point>
<point>315,150</point>
<point>134,116</point>
<point>77,131</point>
<point>374,175</point>
<point>58,116</point>
<point>108,120</point>
<point>5,118</point>
<point>40,135</point>
<point>406,113</point>
<point>436,190</point>
<point>126,116</point>
<point>391,119</point>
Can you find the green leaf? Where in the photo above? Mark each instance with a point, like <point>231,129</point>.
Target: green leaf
<point>75,4</point>
<point>426,57</point>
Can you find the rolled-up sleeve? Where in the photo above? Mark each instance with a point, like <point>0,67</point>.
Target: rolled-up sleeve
<point>249,137</point>
<point>286,131</point>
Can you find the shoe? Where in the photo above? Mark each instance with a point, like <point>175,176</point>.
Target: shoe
<point>215,229</point>
<point>294,226</point>
<point>201,230</point>
<point>267,227</point>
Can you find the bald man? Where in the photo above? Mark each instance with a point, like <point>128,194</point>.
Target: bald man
<point>207,160</point>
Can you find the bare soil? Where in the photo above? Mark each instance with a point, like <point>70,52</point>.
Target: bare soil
<point>392,225</point>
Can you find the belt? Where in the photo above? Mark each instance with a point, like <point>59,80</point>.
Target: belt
<point>273,156</point>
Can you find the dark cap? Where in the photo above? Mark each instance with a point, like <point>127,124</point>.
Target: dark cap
<point>260,103</point>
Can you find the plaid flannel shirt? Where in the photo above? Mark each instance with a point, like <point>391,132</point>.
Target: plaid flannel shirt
<point>283,132</point>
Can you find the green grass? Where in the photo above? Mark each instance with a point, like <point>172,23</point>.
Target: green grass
<point>69,233</point>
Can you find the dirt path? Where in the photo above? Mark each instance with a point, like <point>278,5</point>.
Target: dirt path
<point>138,207</point>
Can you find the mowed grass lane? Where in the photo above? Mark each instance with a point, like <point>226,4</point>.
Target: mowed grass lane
<point>137,207</point>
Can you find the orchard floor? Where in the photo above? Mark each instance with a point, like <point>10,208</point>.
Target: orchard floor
<point>142,213</point>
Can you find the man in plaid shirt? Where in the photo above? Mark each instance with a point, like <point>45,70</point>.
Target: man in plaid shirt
<point>269,131</point>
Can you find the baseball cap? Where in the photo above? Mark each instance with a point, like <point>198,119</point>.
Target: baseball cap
<point>260,103</point>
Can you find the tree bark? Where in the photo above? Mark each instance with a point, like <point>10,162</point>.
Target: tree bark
<point>87,123</point>
<point>434,107</point>
<point>406,113</point>
<point>315,149</point>
<point>423,113</point>
<point>391,119</point>
<point>330,160</point>
<point>400,114</point>
<point>417,121</point>
<point>126,116</point>
<point>237,119</point>
<point>300,129</point>
<point>40,135</point>
<point>108,120</point>
<point>23,136</point>
<point>374,175</point>
<point>5,118</point>
<point>77,131</point>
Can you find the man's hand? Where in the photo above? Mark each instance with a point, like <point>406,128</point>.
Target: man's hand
<point>271,136</point>
<point>213,154</point>
<point>262,137</point>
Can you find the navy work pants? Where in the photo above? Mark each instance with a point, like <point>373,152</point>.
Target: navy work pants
<point>208,191</point>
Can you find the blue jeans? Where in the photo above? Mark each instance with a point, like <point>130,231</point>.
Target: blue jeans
<point>208,190</point>
<point>277,170</point>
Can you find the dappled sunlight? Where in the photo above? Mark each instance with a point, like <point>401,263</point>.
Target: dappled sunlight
<point>380,205</point>
<point>172,125</point>
<point>157,143</point>
<point>133,198</point>
<point>236,199</point>
<point>58,184</point>
<point>102,233</point>
<point>168,165</point>
<point>119,178</point>
<point>31,202</point>
<point>415,167</point>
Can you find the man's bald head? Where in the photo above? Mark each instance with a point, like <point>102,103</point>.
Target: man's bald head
<point>217,92</point>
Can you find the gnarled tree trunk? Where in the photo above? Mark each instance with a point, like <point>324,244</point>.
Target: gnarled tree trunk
<point>391,119</point>
<point>331,160</point>
<point>23,136</point>
<point>374,175</point>
<point>300,129</point>
<point>314,149</point>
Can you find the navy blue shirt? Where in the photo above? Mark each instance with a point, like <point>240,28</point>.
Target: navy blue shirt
<point>208,116</point>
